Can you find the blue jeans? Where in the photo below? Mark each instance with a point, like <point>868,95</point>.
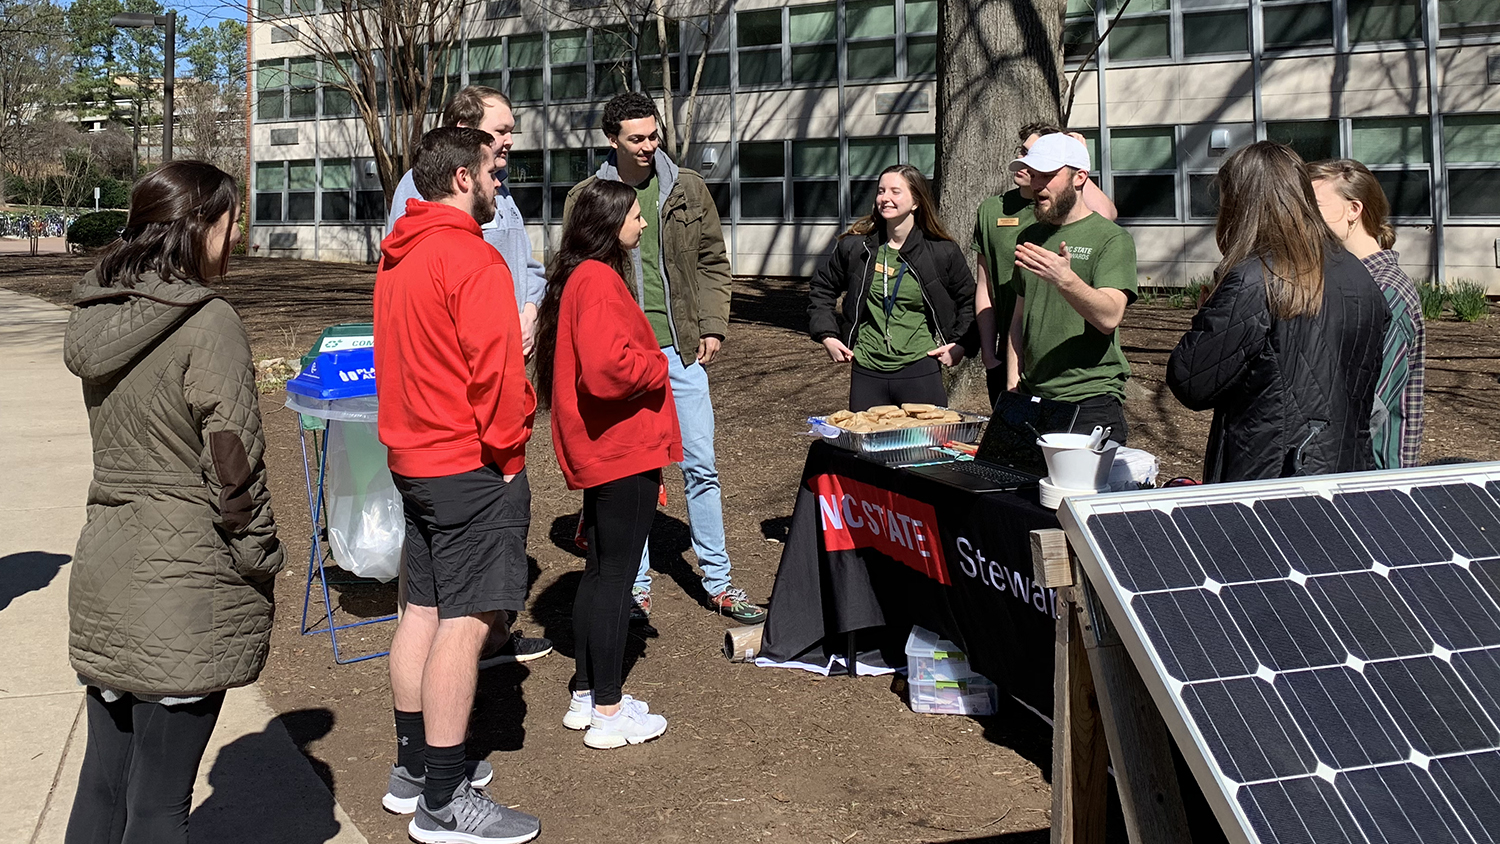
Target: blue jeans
<point>700,476</point>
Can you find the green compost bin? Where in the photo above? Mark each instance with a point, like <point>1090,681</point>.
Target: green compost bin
<point>336,338</point>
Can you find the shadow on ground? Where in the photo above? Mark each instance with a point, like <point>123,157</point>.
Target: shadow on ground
<point>28,571</point>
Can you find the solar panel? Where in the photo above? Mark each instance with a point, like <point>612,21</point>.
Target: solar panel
<point>1326,651</point>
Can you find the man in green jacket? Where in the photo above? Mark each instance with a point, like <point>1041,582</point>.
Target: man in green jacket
<point>681,278</point>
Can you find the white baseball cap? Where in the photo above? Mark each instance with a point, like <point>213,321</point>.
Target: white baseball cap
<point>1053,152</point>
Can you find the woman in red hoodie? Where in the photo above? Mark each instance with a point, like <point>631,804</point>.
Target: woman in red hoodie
<point>602,372</point>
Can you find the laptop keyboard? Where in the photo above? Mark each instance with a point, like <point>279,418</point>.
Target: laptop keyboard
<point>992,473</point>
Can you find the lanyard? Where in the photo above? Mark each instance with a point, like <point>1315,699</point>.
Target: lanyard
<point>890,296</point>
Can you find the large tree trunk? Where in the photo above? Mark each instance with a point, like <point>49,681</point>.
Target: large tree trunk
<point>999,68</point>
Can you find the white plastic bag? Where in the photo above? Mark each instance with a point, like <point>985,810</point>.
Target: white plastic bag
<point>366,526</point>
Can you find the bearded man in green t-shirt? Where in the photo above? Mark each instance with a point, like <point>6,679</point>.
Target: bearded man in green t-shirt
<point>1075,274</point>
<point>999,221</point>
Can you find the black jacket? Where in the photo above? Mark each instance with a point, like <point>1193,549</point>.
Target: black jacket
<point>938,265</point>
<point>1290,397</point>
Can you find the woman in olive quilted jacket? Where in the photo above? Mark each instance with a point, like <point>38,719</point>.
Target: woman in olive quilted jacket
<point>170,598</point>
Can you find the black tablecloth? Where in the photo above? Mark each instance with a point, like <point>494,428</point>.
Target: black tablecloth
<point>873,546</point>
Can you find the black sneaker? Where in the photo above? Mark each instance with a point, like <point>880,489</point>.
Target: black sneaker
<point>517,648</point>
<point>471,817</point>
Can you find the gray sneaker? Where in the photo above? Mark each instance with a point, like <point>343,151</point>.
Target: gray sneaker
<point>404,789</point>
<point>471,817</point>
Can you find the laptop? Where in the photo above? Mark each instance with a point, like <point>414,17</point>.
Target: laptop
<point>1008,457</point>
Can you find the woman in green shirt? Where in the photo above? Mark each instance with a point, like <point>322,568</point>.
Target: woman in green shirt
<point>908,298</point>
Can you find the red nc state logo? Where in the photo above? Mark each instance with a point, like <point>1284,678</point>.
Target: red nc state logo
<point>857,515</point>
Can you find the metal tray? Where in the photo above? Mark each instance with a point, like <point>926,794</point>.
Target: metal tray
<point>915,439</point>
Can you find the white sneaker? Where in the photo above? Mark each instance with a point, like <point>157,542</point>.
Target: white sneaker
<point>633,724</point>
<point>581,710</point>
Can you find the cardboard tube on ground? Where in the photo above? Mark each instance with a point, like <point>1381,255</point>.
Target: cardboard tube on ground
<point>741,644</point>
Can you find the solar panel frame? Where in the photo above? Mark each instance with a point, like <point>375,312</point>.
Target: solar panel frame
<point>1418,553</point>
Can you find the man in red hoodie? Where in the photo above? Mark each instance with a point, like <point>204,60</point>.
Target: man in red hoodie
<point>456,411</point>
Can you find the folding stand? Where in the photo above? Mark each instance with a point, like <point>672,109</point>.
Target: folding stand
<point>320,555</point>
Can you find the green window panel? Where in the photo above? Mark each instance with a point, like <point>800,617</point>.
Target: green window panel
<point>337,102</point>
<point>869,156</point>
<point>270,175</point>
<point>815,158</point>
<point>810,24</point>
<point>871,59</point>
<point>649,46</point>
<point>271,105</point>
<point>815,64</point>
<point>1203,196</point>
<point>612,78</point>
<point>568,47</point>
<point>1473,192</point>
<point>1471,138</point>
<point>1078,38</point>
<point>268,208</point>
<point>302,175</point>
<point>1384,20</point>
<point>1137,7</point>
<point>715,73</point>
<point>1468,17</point>
<point>761,201</point>
<point>1399,140</point>
<point>921,16</point>
<point>1409,191</point>
<point>1150,197</point>
<point>490,79</point>
<point>815,200</point>
<point>1141,38</point>
<point>1078,8</point>
<point>1301,25</point>
<point>526,86</point>
<point>271,8</point>
<point>270,74</point>
<point>338,174</point>
<point>870,18</point>
<point>1216,32</point>
<point>303,72</point>
<point>760,67</point>
<point>1314,140</point>
<point>1143,149</point>
<point>921,153</point>
<point>488,55</point>
<point>569,167</point>
<point>570,83</point>
<point>524,168</point>
<point>761,160</point>
<point>759,29</point>
<point>525,51</point>
<point>611,44</point>
<point>921,54</point>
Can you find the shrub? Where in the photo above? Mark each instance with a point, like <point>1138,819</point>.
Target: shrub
<point>1432,296</point>
<point>1467,300</point>
<point>1189,296</point>
<point>100,228</point>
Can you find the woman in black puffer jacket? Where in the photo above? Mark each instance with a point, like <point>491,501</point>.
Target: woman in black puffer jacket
<point>908,298</point>
<point>1286,349</point>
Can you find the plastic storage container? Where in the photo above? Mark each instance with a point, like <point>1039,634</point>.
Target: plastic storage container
<point>972,696</point>
<point>931,657</point>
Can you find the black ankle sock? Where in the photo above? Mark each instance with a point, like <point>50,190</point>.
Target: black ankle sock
<point>445,770</point>
<point>411,743</point>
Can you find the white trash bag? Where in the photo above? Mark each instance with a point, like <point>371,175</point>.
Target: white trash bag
<point>366,525</point>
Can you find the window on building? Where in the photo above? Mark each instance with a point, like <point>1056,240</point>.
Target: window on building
<point>270,190</point>
<point>1144,163</point>
<point>1216,31</point>
<point>921,153</point>
<point>270,89</point>
<point>523,176</point>
<point>1471,152</point>
<point>449,77</point>
<point>870,39</point>
<point>341,197</point>
<point>1144,32</point>
<point>815,179</point>
<point>867,157</point>
<point>487,63</point>
<point>1384,20</point>
<point>271,8</point>
<point>301,190</point>
<point>814,34</point>
<point>336,79</point>
<point>302,97</point>
<point>651,71</point>
<point>1203,196</point>
<point>762,179</point>
<point>1399,152</point>
<point>1468,17</point>
<point>1080,31</point>
<point>1297,24</point>
<point>569,167</point>
<point>569,63</point>
<point>716,64</point>
<point>1314,140</point>
<point>759,41</point>
<point>611,58</point>
<point>524,58</point>
<point>921,37</point>
<point>285,191</point>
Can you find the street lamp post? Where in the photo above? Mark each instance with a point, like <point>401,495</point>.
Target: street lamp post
<point>132,20</point>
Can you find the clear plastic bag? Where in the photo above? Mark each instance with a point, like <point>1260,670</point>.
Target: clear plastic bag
<point>366,525</point>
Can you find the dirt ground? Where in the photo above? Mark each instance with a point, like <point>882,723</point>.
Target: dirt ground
<point>752,754</point>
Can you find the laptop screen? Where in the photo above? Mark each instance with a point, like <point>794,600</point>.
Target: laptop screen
<point>1015,424</point>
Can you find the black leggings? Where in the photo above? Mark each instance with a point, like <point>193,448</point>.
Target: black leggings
<point>617,519</point>
<point>916,382</point>
<point>136,785</point>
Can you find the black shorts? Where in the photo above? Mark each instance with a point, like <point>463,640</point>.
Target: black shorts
<point>466,541</point>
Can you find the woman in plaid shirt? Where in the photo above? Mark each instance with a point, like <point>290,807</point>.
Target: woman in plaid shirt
<point>1355,208</point>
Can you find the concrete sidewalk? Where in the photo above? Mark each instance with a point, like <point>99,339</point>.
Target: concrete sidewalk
<point>254,785</point>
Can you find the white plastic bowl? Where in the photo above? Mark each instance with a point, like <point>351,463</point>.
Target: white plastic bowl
<point>1071,464</point>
